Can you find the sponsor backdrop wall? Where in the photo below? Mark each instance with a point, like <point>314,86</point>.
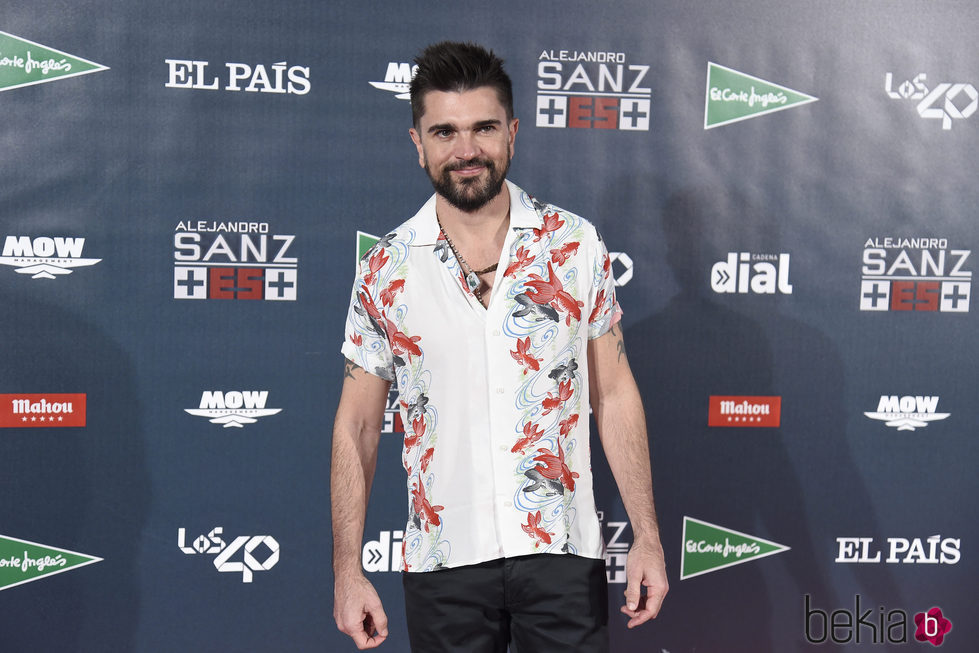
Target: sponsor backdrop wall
<point>788,192</point>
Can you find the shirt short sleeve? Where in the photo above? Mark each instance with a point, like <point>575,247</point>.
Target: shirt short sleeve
<point>604,308</point>
<point>365,342</point>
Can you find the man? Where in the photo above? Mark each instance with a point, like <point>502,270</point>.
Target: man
<point>496,316</point>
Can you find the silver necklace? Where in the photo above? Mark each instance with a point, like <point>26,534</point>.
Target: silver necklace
<point>473,281</point>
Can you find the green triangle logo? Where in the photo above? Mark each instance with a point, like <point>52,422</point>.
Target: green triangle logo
<point>23,63</point>
<point>22,561</point>
<point>708,547</point>
<point>734,96</point>
<point>364,242</point>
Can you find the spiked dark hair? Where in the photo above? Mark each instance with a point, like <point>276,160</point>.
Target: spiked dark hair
<point>455,67</point>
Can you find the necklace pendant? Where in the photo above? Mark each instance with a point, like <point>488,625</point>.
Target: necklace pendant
<point>472,281</point>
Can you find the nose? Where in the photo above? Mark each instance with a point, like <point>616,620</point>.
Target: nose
<point>466,146</point>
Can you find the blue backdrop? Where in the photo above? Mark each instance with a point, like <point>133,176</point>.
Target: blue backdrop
<point>787,188</point>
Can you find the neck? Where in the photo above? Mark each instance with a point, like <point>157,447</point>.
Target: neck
<point>484,224</point>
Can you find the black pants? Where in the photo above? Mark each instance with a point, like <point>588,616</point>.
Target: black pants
<point>534,604</point>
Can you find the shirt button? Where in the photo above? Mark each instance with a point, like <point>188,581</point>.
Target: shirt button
<point>496,332</point>
<point>500,391</point>
<point>508,504</point>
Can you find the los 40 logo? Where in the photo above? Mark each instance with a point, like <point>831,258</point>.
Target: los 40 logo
<point>945,101</point>
<point>251,548</point>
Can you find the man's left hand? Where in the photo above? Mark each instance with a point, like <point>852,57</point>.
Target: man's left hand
<point>645,567</point>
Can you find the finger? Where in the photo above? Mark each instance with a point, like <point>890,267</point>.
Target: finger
<point>374,628</point>
<point>654,600</point>
<point>380,619</point>
<point>632,596</point>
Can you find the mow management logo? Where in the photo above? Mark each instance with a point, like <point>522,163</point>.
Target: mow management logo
<point>907,413</point>
<point>44,257</point>
<point>233,408</point>
<point>397,79</point>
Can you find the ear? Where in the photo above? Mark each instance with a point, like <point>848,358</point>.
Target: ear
<point>417,140</point>
<point>514,123</point>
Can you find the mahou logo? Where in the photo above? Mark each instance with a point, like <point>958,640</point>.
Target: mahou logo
<point>233,408</point>
<point>744,411</point>
<point>41,410</point>
<point>44,257</point>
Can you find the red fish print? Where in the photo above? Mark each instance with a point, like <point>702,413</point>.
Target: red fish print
<point>401,343</point>
<point>417,431</point>
<point>568,424</point>
<point>423,509</point>
<point>427,458</point>
<point>532,433</point>
<point>534,530</point>
<point>599,304</point>
<point>606,266</point>
<point>553,402</point>
<point>357,339</point>
<point>551,223</point>
<point>561,254</point>
<point>552,292</point>
<point>554,467</point>
<point>523,356</point>
<point>368,303</point>
<point>523,260</point>
<point>387,295</point>
<point>375,263</point>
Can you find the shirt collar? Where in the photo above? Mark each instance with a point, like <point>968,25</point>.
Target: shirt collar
<point>523,215</point>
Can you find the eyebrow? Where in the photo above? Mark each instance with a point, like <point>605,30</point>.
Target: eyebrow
<point>452,127</point>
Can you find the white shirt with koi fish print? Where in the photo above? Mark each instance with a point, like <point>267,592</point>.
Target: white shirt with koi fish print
<point>494,400</point>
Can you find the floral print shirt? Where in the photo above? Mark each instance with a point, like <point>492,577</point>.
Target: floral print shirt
<point>494,400</point>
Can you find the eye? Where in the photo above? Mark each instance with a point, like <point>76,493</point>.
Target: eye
<point>443,133</point>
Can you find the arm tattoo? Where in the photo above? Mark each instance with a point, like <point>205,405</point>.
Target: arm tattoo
<point>620,343</point>
<point>348,367</point>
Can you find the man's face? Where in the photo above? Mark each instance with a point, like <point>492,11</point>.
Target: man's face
<point>465,144</point>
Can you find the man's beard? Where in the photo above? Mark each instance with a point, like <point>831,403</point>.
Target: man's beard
<point>469,194</point>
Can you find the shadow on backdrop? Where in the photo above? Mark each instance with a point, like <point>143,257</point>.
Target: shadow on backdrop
<point>81,489</point>
<point>795,485</point>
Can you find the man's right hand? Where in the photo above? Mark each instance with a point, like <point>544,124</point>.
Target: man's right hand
<point>358,612</point>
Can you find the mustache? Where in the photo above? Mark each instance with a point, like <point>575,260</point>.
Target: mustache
<point>477,161</point>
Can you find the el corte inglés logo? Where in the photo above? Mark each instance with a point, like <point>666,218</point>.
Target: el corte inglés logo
<point>734,96</point>
<point>23,63</point>
<point>22,561</point>
<point>707,548</point>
